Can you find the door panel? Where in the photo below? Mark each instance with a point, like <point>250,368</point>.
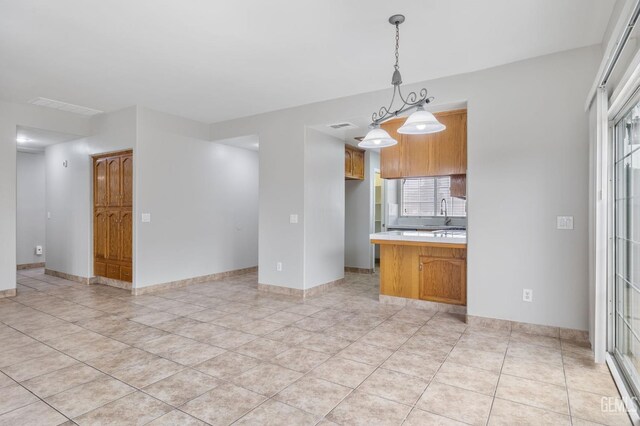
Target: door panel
<point>113,271</point>
<point>126,236</point>
<point>358,164</point>
<point>100,183</point>
<point>100,235</point>
<point>113,235</point>
<point>443,280</point>
<point>348,163</point>
<point>126,167</point>
<point>114,190</point>
<point>626,264</point>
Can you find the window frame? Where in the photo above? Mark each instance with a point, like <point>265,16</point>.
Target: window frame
<point>435,199</point>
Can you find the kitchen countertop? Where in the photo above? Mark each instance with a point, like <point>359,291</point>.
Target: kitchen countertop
<point>445,237</point>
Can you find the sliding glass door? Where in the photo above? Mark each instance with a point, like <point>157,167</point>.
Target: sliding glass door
<point>626,225</point>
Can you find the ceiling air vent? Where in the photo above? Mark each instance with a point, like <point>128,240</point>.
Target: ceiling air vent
<point>64,106</point>
<point>344,125</point>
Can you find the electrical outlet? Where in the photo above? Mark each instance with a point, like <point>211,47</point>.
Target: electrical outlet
<point>293,218</point>
<point>527,295</point>
<point>39,250</point>
<point>279,266</point>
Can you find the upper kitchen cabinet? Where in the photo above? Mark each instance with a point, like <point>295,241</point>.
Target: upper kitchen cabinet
<point>353,163</point>
<point>437,154</point>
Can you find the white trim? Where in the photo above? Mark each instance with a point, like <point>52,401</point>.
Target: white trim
<point>628,85</point>
<point>627,398</point>
<point>601,257</point>
<point>618,31</point>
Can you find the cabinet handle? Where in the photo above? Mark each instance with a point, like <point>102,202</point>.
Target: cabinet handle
<point>420,266</point>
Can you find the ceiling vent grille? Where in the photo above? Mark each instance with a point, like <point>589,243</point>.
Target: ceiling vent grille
<point>64,106</point>
<point>345,125</point>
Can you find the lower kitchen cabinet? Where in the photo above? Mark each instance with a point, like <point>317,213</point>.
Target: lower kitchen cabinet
<point>443,279</point>
<point>426,271</point>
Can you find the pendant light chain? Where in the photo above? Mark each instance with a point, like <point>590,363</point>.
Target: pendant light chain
<point>397,66</point>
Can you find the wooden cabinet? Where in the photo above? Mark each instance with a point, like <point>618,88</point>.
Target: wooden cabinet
<point>428,271</point>
<point>112,219</point>
<point>353,163</point>
<point>458,187</point>
<point>436,154</point>
<point>443,279</point>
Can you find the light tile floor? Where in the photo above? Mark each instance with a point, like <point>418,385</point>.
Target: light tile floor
<point>222,353</point>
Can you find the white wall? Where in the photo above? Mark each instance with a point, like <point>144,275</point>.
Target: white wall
<point>359,214</point>
<point>31,207</point>
<point>68,200</point>
<point>203,200</point>
<point>11,116</point>
<point>527,163</point>
<point>69,190</point>
<point>324,208</point>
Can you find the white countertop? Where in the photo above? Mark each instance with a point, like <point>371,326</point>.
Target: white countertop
<point>445,237</point>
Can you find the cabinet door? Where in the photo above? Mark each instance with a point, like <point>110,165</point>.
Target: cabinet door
<point>358,164</point>
<point>438,154</point>
<point>126,236</point>
<point>113,236</point>
<point>113,271</point>
<point>100,177</point>
<point>126,169</point>
<point>458,186</point>
<point>100,230</point>
<point>348,163</point>
<point>443,280</point>
<point>99,243</point>
<point>391,158</point>
<point>114,195</point>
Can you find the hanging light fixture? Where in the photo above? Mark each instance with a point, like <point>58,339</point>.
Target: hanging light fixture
<point>421,122</point>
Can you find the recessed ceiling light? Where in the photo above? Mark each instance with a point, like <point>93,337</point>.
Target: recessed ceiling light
<point>22,139</point>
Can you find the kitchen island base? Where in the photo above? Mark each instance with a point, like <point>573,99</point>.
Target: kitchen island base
<point>434,271</point>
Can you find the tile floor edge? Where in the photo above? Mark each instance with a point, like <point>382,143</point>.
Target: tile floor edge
<point>297,292</point>
<point>171,285</point>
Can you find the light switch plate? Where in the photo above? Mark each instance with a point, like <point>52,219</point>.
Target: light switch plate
<point>565,222</point>
<point>146,217</point>
<point>293,218</point>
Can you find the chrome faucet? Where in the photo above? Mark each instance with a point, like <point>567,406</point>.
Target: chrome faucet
<point>443,211</point>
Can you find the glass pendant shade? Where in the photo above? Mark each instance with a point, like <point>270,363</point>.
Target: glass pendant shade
<point>377,138</point>
<point>421,122</point>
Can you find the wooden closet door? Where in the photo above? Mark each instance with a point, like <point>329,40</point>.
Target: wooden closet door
<point>113,219</point>
<point>114,193</point>
<point>100,177</point>
<point>126,169</point>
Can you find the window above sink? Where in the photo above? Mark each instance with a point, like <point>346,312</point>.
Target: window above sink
<point>422,197</point>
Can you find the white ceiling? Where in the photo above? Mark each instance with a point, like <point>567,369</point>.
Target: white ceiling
<point>212,60</point>
<point>30,139</point>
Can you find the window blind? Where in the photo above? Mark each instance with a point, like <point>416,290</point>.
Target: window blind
<point>422,197</point>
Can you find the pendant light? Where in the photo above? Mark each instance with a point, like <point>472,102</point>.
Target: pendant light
<point>377,138</point>
<point>421,122</point>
